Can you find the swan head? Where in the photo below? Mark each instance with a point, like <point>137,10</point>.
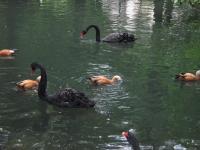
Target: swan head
<point>34,65</point>
<point>125,134</point>
<point>116,78</point>
<point>129,133</point>
<point>130,136</point>
<point>82,33</point>
<point>38,78</point>
<point>198,73</point>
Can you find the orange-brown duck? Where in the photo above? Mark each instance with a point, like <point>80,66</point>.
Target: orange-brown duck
<point>7,52</point>
<point>29,84</point>
<point>103,80</point>
<point>188,76</point>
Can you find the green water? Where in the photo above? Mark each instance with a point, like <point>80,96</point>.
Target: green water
<point>164,113</point>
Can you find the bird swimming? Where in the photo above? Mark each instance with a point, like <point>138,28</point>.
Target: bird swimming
<point>188,76</point>
<point>68,97</point>
<point>7,52</point>
<point>103,80</point>
<point>28,84</point>
<point>110,38</point>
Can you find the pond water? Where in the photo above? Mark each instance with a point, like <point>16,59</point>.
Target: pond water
<point>164,113</point>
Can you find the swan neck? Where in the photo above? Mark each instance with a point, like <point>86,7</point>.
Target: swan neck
<point>98,39</point>
<point>42,84</point>
<point>135,144</point>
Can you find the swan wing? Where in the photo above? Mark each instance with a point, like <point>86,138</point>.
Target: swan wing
<point>119,37</point>
<point>71,98</point>
<point>112,37</point>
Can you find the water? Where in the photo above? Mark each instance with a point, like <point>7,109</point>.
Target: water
<point>165,113</point>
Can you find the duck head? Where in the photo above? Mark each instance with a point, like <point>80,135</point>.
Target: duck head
<point>116,78</point>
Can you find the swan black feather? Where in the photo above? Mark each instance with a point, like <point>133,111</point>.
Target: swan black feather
<point>68,97</point>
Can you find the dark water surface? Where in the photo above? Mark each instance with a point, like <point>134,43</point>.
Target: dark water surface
<point>164,113</point>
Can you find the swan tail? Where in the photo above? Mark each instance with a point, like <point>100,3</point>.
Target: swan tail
<point>91,104</point>
<point>85,101</point>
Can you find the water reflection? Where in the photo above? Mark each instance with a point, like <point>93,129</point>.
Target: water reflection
<point>163,11</point>
<point>125,13</point>
<point>4,135</point>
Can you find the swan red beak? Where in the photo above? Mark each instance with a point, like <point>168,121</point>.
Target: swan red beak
<point>125,134</point>
<point>81,35</point>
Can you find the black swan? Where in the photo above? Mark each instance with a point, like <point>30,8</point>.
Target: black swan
<point>112,37</point>
<point>132,140</point>
<point>68,97</point>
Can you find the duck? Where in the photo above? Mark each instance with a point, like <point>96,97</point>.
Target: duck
<point>110,38</point>
<point>28,84</point>
<point>68,97</point>
<point>132,140</point>
<point>188,76</point>
<point>7,52</point>
<point>103,80</point>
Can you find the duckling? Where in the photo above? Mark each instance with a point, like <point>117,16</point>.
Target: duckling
<point>7,52</point>
<point>188,76</point>
<point>29,84</point>
<point>102,80</point>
